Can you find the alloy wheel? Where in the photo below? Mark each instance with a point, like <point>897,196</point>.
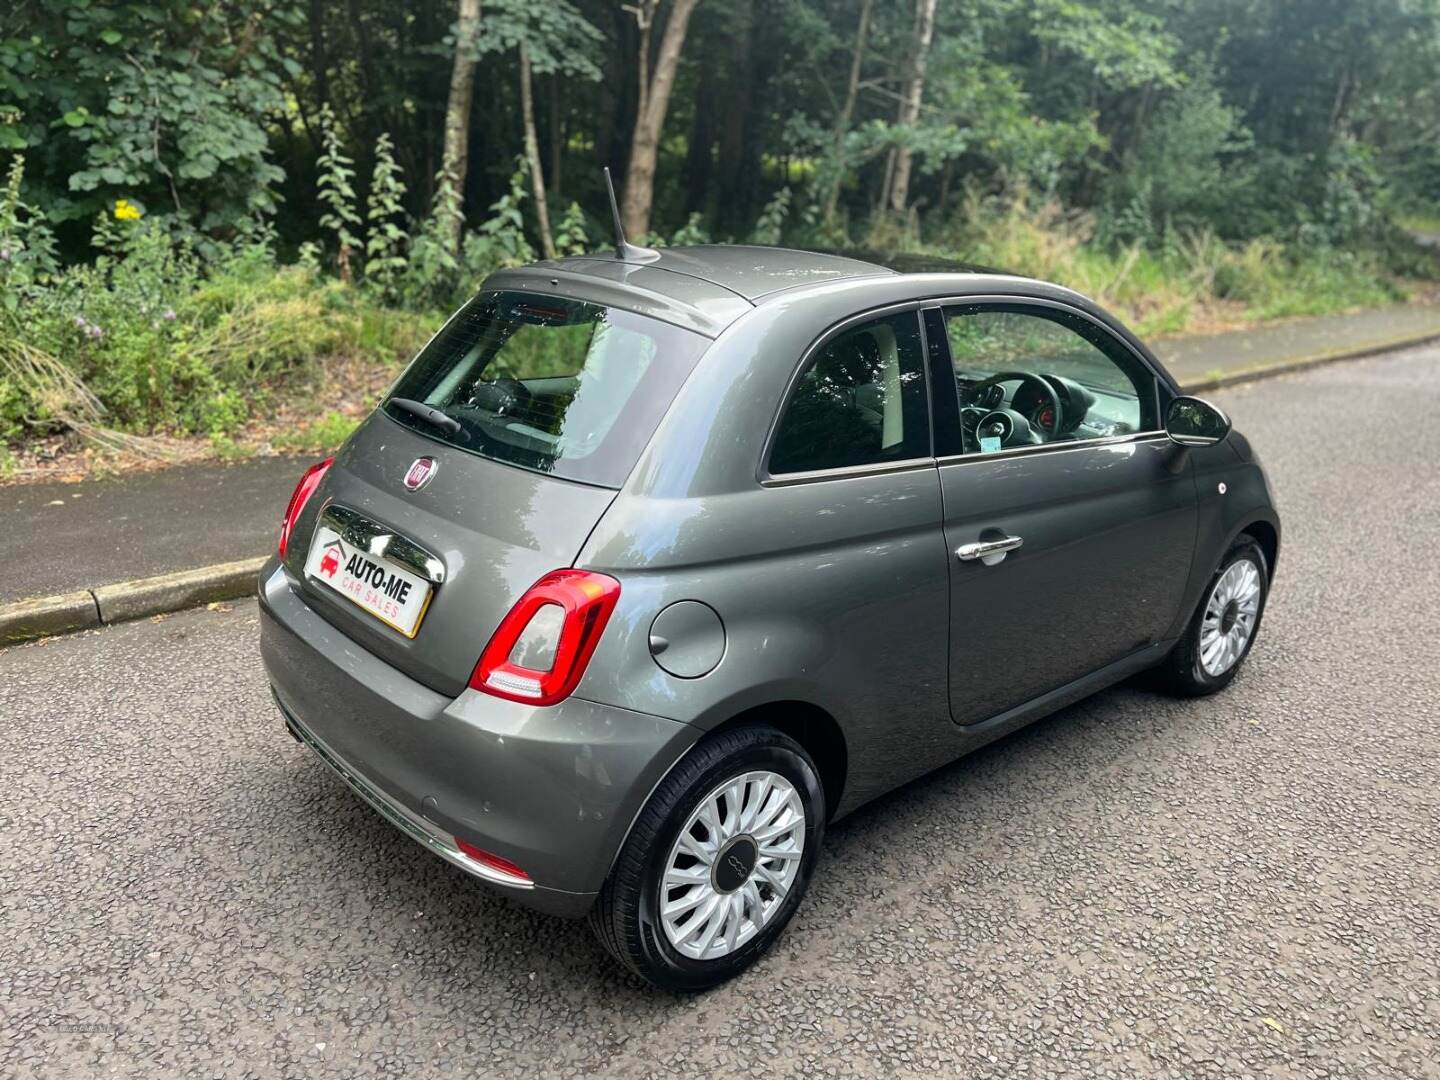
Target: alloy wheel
<point>732,865</point>
<point>1230,615</point>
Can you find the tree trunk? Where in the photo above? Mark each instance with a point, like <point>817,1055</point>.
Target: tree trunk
<point>700,153</point>
<point>319,60</point>
<point>456,159</point>
<point>557,133</point>
<point>910,101</point>
<point>733,208</point>
<point>847,111</point>
<point>654,102</point>
<point>532,155</point>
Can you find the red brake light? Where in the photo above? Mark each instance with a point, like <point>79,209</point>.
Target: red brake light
<point>586,600</point>
<point>303,490</point>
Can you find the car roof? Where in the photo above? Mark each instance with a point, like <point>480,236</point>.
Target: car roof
<point>749,270</point>
<point>708,286</point>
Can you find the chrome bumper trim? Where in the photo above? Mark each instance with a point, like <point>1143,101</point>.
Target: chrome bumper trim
<point>411,824</point>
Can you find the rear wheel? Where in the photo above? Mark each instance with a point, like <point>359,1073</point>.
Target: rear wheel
<point>1223,630</point>
<point>717,861</point>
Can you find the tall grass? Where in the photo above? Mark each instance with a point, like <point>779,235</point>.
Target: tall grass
<point>1192,279</point>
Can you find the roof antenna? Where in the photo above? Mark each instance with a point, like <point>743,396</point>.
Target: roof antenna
<point>624,250</point>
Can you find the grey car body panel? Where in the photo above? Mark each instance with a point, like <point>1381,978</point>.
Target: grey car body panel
<point>1109,534</point>
<point>497,529</point>
<point>702,306</point>
<point>552,789</point>
<point>840,592</point>
<point>1246,503</point>
<point>747,270</point>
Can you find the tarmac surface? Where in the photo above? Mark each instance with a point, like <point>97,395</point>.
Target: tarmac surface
<point>1247,884</point>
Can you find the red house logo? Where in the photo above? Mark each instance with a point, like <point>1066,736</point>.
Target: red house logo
<point>420,472</point>
<point>330,561</point>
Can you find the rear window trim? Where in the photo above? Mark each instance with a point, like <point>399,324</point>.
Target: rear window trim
<point>429,437</point>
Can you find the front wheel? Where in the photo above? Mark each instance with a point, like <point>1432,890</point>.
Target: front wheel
<point>1223,630</point>
<point>717,861</point>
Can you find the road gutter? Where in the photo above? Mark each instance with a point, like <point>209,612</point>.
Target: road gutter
<point>105,605</point>
<point>1303,363</point>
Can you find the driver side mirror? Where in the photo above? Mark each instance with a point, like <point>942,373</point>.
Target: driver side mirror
<point>1192,421</point>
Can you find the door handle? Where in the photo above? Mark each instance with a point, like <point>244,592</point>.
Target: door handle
<point>989,551</point>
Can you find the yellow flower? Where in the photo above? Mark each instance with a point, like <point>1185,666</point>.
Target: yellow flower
<point>126,210</point>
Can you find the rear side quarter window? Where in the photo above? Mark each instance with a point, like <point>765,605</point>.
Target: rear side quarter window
<point>859,401</point>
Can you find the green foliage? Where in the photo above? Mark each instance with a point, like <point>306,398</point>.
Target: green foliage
<point>770,228</point>
<point>558,37</point>
<point>154,340</point>
<point>571,235</point>
<point>500,240</point>
<point>1182,174</point>
<point>163,100</point>
<point>692,232</point>
<point>432,272</point>
<point>1246,156</point>
<point>320,436</point>
<point>1157,290</point>
<point>27,247</point>
<point>337,192</point>
<point>385,244</point>
<point>435,279</point>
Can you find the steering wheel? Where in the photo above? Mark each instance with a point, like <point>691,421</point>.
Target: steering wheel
<point>1051,430</point>
<point>501,395</point>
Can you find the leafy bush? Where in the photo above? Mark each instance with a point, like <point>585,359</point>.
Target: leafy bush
<point>437,279</point>
<point>150,337</point>
<point>1182,174</point>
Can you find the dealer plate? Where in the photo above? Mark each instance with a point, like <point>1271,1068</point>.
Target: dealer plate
<point>392,594</point>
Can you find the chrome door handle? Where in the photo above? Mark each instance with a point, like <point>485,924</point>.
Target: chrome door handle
<point>985,549</point>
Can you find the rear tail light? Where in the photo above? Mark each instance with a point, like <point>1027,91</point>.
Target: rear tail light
<point>494,862</point>
<point>303,490</point>
<point>539,651</point>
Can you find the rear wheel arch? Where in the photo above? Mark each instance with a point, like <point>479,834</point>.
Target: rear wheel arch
<point>808,724</point>
<point>814,729</point>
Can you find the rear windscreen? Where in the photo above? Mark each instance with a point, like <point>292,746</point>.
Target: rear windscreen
<point>554,385</point>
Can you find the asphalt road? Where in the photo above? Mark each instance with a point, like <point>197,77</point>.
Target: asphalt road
<point>1244,885</point>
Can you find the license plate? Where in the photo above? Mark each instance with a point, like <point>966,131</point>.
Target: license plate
<point>392,594</point>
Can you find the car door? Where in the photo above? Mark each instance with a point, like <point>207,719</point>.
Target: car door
<point>1070,548</point>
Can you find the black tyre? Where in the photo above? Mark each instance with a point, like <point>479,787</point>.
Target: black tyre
<point>1224,627</point>
<point>717,862</point>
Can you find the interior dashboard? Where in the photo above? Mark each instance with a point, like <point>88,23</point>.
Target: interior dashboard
<point>1021,409</point>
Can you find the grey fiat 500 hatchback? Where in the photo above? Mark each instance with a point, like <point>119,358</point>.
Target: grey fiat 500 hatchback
<point>651,565</point>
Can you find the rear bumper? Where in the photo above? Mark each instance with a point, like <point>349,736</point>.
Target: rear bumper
<point>553,790</point>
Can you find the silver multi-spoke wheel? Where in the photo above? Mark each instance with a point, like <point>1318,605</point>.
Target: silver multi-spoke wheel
<point>1229,618</point>
<point>732,865</point>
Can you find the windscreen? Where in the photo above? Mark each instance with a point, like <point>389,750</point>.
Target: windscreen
<point>558,386</point>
